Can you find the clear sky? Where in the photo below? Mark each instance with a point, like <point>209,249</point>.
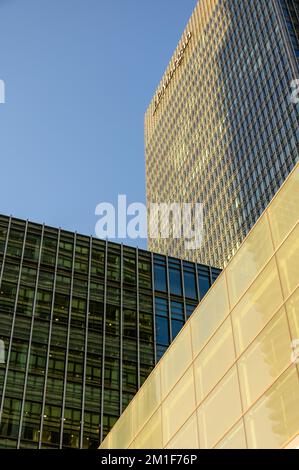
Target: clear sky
<point>79,76</point>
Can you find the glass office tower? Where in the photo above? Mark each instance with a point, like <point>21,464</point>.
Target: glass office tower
<point>290,11</point>
<point>221,128</point>
<point>82,324</point>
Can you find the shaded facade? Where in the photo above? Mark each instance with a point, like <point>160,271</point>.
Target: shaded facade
<point>233,359</point>
<point>83,323</point>
<point>221,129</point>
<point>290,13</point>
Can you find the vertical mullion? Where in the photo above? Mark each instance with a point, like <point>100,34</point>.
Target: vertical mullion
<point>104,341</point>
<point>49,342</point>
<point>1,276</point>
<point>30,338</point>
<point>138,319</point>
<point>5,250</point>
<point>183,287</point>
<point>85,347</point>
<point>169,303</point>
<point>67,344</point>
<point>154,307</point>
<point>211,277</point>
<point>121,326</point>
<point>13,322</point>
<point>197,282</point>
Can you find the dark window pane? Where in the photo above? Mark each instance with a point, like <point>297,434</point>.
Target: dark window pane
<point>129,376</point>
<point>129,299</point>
<point>146,353</point>
<point>160,278</point>
<point>190,285</point>
<point>146,327</point>
<point>175,281</point>
<point>145,371</point>
<point>96,312</point>
<point>145,302</point>
<point>111,401</point>
<point>162,331</point>
<point>190,309</point>
<point>129,269</point>
<point>130,350</point>
<point>111,372</point>
<point>130,323</point>
<point>126,398</point>
<point>204,285</point>
<point>177,310</point>
<point>161,306</point>
<point>176,327</point>
<point>160,351</point>
<point>113,266</point>
<point>145,272</point>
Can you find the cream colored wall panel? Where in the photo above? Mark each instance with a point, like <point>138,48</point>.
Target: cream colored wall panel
<point>292,306</point>
<point>288,262</point>
<point>176,361</point>
<point>214,361</point>
<point>123,431</point>
<point>178,405</point>
<point>249,260</point>
<point>151,435</point>
<point>257,306</point>
<point>187,436</point>
<point>275,417</point>
<point>265,360</point>
<point>147,400</point>
<point>209,315</point>
<point>220,410</point>
<point>235,439</point>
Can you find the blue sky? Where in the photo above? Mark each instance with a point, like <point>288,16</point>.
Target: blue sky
<point>79,76</point>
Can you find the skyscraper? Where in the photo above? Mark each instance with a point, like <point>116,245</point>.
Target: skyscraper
<point>221,129</point>
<point>82,324</point>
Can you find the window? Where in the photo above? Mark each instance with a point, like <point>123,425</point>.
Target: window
<point>204,285</point>
<point>161,306</point>
<point>175,281</point>
<point>146,327</point>
<point>190,284</point>
<point>129,266</point>
<point>129,376</point>
<point>129,323</point>
<point>176,327</point>
<point>113,268</point>
<point>160,278</point>
<point>190,309</point>
<point>145,270</point>
<point>177,310</point>
<point>162,331</point>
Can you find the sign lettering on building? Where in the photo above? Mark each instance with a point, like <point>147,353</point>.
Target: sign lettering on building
<point>170,75</point>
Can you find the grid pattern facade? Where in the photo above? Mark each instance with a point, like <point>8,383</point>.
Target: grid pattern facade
<point>230,380</point>
<point>290,11</point>
<point>82,323</point>
<point>222,130</point>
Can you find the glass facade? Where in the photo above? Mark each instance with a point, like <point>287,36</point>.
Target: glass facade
<point>83,323</point>
<point>290,11</point>
<point>221,129</point>
<point>230,380</point>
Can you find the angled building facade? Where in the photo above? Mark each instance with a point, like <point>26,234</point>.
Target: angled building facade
<point>237,357</point>
<point>221,129</point>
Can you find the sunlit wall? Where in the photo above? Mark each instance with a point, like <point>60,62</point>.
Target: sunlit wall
<point>230,380</point>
